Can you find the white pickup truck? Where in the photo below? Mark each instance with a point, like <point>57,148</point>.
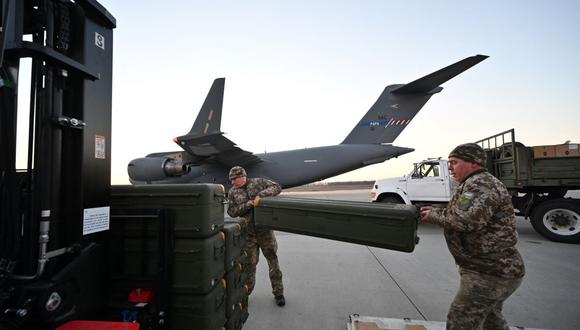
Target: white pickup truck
<point>552,215</point>
<point>428,183</point>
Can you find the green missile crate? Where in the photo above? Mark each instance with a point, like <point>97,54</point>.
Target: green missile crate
<point>197,210</point>
<point>243,261</point>
<point>234,288</point>
<point>235,321</point>
<point>234,243</point>
<point>243,227</point>
<point>199,312</point>
<point>244,307</point>
<point>389,226</point>
<point>199,263</point>
<point>195,264</point>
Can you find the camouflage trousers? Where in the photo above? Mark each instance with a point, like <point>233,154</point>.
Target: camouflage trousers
<point>479,301</point>
<point>263,239</point>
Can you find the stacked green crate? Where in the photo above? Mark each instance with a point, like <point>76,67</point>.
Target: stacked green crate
<point>182,257</point>
<point>244,307</point>
<point>244,261</point>
<point>235,232</point>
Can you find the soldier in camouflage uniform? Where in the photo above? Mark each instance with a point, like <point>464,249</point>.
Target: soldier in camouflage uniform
<point>479,227</point>
<point>241,197</point>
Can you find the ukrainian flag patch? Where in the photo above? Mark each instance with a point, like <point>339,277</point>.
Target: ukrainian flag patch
<point>466,200</point>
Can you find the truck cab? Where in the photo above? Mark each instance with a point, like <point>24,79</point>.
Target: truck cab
<point>428,182</point>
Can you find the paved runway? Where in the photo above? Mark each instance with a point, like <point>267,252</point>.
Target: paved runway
<point>326,281</point>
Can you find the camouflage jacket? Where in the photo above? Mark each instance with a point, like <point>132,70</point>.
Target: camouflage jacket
<point>479,225</point>
<point>238,197</point>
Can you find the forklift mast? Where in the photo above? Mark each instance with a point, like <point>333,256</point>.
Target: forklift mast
<point>54,212</point>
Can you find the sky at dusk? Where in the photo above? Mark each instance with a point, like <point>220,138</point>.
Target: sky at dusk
<point>303,73</point>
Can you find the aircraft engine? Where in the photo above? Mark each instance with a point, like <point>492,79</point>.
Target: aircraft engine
<point>155,168</point>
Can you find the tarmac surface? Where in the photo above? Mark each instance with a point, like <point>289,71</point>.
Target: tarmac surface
<point>326,281</point>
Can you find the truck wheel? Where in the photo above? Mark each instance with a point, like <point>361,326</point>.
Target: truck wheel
<point>557,220</point>
<point>391,199</point>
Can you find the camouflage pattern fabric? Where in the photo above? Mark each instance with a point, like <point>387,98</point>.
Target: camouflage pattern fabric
<point>470,152</point>
<point>480,228</point>
<point>479,301</point>
<point>266,241</point>
<point>257,238</point>
<point>237,171</point>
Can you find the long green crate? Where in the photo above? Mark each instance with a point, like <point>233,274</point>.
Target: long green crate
<point>389,226</point>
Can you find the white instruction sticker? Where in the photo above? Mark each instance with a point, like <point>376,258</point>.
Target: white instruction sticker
<point>100,147</point>
<point>96,219</point>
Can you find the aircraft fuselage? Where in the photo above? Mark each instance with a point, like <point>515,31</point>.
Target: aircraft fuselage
<point>297,167</point>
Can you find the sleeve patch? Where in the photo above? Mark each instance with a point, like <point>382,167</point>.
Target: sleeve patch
<point>465,201</point>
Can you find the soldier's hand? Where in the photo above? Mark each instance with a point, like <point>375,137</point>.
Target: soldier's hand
<point>425,211</point>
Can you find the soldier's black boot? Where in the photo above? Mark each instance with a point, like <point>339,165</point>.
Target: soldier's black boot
<point>280,301</point>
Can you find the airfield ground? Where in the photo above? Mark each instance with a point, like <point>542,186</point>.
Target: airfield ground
<point>326,281</point>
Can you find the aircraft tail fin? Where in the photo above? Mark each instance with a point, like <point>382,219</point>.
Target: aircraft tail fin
<point>205,139</point>
<point>209,119</point>
<point>398,104</point>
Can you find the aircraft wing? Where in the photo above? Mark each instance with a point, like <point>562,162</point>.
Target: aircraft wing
<point>216,147</point>
<point>206,142</point>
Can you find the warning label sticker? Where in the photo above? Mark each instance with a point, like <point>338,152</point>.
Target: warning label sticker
<point>96,219</point>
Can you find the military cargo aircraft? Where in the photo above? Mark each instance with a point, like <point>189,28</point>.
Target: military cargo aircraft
<point>208,155</point>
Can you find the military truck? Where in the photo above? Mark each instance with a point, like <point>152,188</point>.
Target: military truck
<point>538,178</point>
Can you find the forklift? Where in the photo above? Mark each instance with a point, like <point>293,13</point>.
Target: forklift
<point>78,253</point>
<point>54,211</point>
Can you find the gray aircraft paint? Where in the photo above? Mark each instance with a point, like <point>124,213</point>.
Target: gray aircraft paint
<point>208,155</point>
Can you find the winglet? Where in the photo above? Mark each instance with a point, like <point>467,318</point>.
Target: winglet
<point>432,81</point>
<point>209,119</point>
